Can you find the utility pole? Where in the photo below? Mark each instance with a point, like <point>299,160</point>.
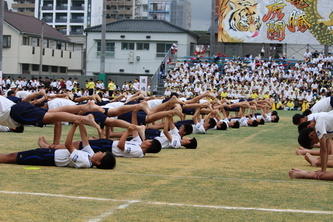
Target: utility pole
<point>2,10</point>
<point>41,47</point>
<point>102,64</point>
<point>212,29</point>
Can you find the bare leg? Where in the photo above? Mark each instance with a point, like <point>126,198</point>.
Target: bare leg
<point>302,151</point>
<point>302,174</point>
<point>8,158</point>
<point>57,133</point>
<point>53,117</point>
<point>166,106</point>
<point>315,161</point>
<point>160,115</point>
<point>124,109</point>
<point>89,107</point>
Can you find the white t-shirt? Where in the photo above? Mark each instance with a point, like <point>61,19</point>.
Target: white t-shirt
<point>4,129</point>
<point>324,126</point>
<point>322,105</point>
<point>5,107</point>
<point>113,105</point>
<point>154,102</point>
<point>243,121</point>
<point>76,159</point>
<point>132,148</point>
<point>199,127</point>
<point>59,102</point>
<point>176,139</point>
<point>22,94</point>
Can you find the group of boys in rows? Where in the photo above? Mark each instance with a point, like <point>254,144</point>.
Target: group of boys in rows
<point>149,124</point>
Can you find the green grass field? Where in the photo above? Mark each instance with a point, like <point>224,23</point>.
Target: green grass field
<point>245,168</point>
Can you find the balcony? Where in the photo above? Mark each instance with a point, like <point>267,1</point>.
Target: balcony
<point>48,19</point>
<point>77,20</point>
<point>61,20</point>
<point>47,7</point>
<point>62,7</point>
<point>77,7</point>
<point>76,32</point>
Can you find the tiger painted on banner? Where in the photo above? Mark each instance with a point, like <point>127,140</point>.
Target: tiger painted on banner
<point>238,20</point>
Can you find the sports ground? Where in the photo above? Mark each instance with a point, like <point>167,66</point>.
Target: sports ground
<point>234,175</point>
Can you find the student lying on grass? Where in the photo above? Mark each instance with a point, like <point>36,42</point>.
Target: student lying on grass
<point>134,148</point>
<point>68,157</point>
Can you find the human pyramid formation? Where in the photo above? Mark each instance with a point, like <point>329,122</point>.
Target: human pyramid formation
<point>148,120</point>
<point>315,127</point>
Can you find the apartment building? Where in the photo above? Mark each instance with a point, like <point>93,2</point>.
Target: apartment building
<point>70,17</point>
<point>22,47</point>
<point>26,7</point>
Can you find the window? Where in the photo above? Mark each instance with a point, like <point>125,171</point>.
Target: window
<point>6,41</point>
<point>35,67</point>
<point>70,55</point>
<point>52,52</point>
<point>63,69</point>
<point>54,68</point>
<point>33,50</point>
<point>62,54</point>
<point>109,48</point>
<point>162,49</point>
<point>142,46</point>
<point>45,68</point>
<point>127,46</point>
<point>26,40</point>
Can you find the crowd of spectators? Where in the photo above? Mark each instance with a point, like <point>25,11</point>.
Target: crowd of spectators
<point>293,85</point>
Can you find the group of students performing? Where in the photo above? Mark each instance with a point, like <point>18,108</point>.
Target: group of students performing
<point>315,127</point>
<point>149,124</point>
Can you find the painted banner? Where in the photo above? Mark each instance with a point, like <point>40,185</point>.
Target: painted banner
<point>275,21</point>
<point>143,83</point>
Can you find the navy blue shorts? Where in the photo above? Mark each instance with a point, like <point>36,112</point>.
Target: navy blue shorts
<point>189,111</point>
<point>39,157</point>
<point>152,133</point>
<point>232,109</point>
<point>180,123</point>
<point>101,145</point>
<point>99,118</point>
<point>331,101</point>
<point>141,116</point>
<point>28,114</point>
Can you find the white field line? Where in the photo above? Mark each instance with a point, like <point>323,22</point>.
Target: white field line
<point>111,211</point>
<point>226,178</point>
<point>173,204</point>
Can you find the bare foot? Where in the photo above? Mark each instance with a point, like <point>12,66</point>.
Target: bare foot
<point>300,151</point>
<point>97,98</point>
<point>301,174</point>
<point>42,142</point>
<point>141,131</point>
<point>312,160</point>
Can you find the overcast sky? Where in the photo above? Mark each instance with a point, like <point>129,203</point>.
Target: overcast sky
<point>201,11</point>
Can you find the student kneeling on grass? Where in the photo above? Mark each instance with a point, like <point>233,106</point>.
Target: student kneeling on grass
<point>70,157</point>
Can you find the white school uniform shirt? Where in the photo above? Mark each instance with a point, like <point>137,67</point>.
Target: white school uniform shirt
<point>324,126</point>
<point>175,142</point>
<point>154,102</point>
<point>113,105</point>
<point>5,107</point>
<point>59,102</point>
<point>76,159</point>
<point>132,148</point>
<point>199,127</point>
<point>22,94</point>
<point>322,105</point>
<point>243,121</point>
<point>4,129</point>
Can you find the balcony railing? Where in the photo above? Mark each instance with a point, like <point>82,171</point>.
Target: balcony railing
<point>62,7</point>
<point>77,20</point>
<point>77,7</point>
<point>61,20</point>
<point>47,7</point>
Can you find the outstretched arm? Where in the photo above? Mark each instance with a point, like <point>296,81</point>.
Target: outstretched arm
<point>123,138</point>
<point>84,135</point>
